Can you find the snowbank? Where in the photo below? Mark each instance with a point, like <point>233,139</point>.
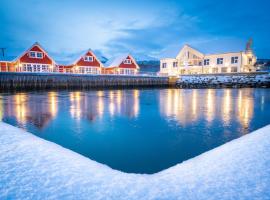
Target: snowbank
<point>224,80</point>
<point>32,168</point>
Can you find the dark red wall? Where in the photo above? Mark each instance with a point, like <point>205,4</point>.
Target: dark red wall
<point>132,65</point>
<point>81,62</point>
<point>45,60</point>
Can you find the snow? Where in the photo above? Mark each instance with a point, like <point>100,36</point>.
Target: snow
<point>116,61</point>
<point>244,78</point>
<point>32,168</point>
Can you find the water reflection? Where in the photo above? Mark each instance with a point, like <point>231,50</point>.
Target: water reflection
<point>188,106</point>
<point>1,108</point>
<point>184,106</point>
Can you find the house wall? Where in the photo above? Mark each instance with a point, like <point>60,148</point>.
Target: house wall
<point>226,62</point>
<point>26,59</point>
<point>190,62</point>
<point>132,65</point>
<point>81,61</point>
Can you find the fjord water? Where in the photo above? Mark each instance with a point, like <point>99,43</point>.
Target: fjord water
<point>138,131</point>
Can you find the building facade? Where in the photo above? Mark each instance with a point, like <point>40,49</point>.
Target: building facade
<point>123,65</point>
<point>88,63</point>
<point>37,60</point>
<point>192,61</point>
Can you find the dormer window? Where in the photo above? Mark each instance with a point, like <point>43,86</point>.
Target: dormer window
<point>88,58</point>
<point>35,54</point>
<point>127,61</point>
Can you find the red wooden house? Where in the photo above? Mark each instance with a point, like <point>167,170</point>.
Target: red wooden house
<point>88,63</point>
<point>124,64</point>
<point>35,59</point>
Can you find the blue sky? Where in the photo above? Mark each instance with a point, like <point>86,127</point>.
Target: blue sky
<point>154,28</point>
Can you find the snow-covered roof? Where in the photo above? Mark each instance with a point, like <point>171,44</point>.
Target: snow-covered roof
<point>7,58</point>
<point>35,44</point>
<point>116,61</point>
<point>33,168</point>
<point>75,57</point>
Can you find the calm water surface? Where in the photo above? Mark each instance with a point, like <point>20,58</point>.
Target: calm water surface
<point>141,131</point>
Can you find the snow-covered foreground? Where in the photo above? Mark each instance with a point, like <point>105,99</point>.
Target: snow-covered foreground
<point>32,168</point>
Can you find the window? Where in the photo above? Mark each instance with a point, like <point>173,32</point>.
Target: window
<point>175,64</point>
<point>164,65</point>
<point>127,61</point>
<point>234,69</point>
<point>32,54</point>
<point>250,61</point>
<point>89,58</point>
<point>224,69</point>
<point>220,61</point>
<point>234,60</point>
<point>206,62</point>
<point>215,70</point>
<point>35,54</point>
<point>39,55</point>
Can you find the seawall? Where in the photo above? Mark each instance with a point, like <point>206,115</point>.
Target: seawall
<point>24,81</point>
<point>234,80</point>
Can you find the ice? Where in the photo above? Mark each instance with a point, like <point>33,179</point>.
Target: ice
<point>32,168</point>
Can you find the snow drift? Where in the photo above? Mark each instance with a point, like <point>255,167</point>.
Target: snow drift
<point>32,168</point>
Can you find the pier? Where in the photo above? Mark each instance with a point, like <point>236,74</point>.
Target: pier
<point>24,81</point>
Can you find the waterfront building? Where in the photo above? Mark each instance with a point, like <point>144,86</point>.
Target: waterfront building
<point>123,64</point>
<point>36,59</point>
<point>191,61</point>
<point>88,63</point>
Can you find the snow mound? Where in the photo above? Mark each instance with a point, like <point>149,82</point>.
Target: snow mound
<point>32,168</point>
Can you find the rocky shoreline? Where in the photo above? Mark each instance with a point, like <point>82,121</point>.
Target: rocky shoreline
<point>253,80</point>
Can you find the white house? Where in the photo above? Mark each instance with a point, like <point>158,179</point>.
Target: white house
<point>192,61</point>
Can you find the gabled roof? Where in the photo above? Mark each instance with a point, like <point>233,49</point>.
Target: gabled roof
<point>35,44</point>
<point>75,57</point>
<point>187,47</point>
<point>116,61</point>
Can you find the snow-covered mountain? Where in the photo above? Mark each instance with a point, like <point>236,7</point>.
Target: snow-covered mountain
<point>139,57</point>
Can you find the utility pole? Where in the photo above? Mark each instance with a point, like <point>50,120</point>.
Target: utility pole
<point>3,51</point>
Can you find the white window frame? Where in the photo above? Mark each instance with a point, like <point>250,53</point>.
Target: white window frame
<point>175,64</point>
<point>35,54</point>
<point>206,62</point>
<point>164,65</point>
<point>128,61</point>
<point>234,60</point>
<point>220,61</point>
<point>88,58</point>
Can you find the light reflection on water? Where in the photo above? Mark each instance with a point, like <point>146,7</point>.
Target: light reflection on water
<point>141,131</point>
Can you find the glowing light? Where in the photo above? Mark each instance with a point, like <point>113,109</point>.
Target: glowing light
<point>1,109</point>
<point>53,103</point>
<point>226,106</point>
<point>136,102</point>
<point>210,105</point>
<point>245,109</point>
<point>75,108</point>
<point>20,107</point>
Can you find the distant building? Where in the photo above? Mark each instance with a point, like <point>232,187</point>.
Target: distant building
<point>192,61</point>
<point>124,64</point>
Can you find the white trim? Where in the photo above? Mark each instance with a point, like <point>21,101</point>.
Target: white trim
<point>88,58</point>
<point>35,54</point>
<point>127,61</point>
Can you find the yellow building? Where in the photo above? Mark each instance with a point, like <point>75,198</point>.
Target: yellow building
<point>192,61</point>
